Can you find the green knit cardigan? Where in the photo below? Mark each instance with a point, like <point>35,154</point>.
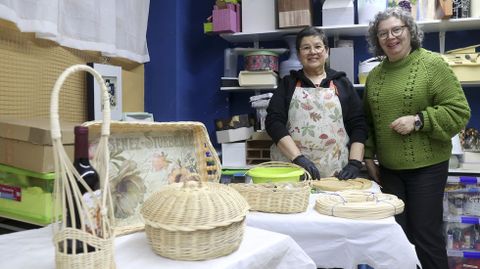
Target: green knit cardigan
<point>420,83</point>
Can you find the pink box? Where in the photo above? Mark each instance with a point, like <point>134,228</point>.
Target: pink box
<point>226,20</point>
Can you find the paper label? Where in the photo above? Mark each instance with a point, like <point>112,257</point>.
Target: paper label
<point>10,192</point>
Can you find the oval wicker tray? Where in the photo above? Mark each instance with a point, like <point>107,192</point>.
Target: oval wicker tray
<point>145,156</point>
<point>334,184</point>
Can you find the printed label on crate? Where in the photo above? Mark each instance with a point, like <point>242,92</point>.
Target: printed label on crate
<point>10,192</point>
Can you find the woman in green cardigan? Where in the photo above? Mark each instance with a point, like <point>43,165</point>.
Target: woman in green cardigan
<point>414,105</point>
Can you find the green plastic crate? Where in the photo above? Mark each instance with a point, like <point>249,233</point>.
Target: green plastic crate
<point>25,195</point>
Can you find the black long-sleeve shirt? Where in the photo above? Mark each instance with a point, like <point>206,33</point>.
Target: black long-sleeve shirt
<point>352,108</point>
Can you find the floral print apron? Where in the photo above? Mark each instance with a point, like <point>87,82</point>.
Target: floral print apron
<point>315,123</point>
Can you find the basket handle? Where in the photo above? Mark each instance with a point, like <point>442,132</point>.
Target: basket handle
<point>193,180</point>
<point>54,116</point>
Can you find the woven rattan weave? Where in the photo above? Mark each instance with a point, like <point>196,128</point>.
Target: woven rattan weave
<point>281,197</point>
<point>334,184</point>
<point>195,220</point>
<point>95,216</point>
<point>354,204</point>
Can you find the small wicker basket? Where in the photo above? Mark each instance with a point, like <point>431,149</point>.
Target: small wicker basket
<point>95,216</point>
<point>195,220</point>
<point>281,197</point>
<point>277,197</point>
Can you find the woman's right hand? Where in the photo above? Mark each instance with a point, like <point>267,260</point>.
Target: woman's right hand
<point>373,170</point>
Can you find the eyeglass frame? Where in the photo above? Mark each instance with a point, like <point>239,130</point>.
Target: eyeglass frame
<point>400,29</point>
<point>306,49</point>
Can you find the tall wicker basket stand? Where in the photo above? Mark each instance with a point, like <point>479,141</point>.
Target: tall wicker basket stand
<point>96,233</point>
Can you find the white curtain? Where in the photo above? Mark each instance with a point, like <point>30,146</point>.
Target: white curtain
<point>116,28</point>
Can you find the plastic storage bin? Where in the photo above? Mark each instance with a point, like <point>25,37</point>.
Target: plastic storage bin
<point>461,226</point>
<point>25,195</point>
<point>462,198</point>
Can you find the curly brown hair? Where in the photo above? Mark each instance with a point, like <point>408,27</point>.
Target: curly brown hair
<point>415,32</point>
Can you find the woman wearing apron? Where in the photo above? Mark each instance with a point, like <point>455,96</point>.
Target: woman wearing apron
<point>315,117</point>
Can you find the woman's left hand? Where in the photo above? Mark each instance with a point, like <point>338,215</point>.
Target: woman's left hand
<point>403,125</point>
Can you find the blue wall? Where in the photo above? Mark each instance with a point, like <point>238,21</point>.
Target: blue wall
<point>182,79</point>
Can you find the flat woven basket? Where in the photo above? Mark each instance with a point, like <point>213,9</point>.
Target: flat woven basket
<point>95,216</point>
<point>195,220</point>
<point>355,204</point>
<point>145,156</point>
<point>278,197</point>
<point>335,184</point>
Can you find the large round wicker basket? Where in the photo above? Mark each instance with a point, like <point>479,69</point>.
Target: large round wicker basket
<point>195,220</point>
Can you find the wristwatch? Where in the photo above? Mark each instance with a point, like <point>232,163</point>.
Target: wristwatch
<point>418,123</point>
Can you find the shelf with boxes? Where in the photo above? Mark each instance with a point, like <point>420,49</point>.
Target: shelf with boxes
<point>352,30</point>
<point>27,168</point>
<point>461,219</point>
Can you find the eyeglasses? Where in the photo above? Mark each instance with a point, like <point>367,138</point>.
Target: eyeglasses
<point>315,49</point>
<point>395,31</point>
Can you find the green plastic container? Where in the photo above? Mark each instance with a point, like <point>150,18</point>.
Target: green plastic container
<point>25,195</point>
<point>275,174</point>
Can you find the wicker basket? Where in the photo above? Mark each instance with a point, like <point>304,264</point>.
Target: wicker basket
<point>148,155</point>
<point>335,184</point>
<point>95,216</point>
<point>281,197</point>
<point>195,220</point>
<point>277,197</point>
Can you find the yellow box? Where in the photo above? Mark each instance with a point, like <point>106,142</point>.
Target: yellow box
<point>465,63</point>
<point>466,72</point>
<point>25,195</point>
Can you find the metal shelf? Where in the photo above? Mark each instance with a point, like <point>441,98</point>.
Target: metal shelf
<point>354,30</point>
<point>247,89</point>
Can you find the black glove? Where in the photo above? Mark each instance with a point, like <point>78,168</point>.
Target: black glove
<point>307,165</point>
<point>351,170</point>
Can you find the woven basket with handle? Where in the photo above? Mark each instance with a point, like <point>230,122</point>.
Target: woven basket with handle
<point>195,220</point>
<point>277,197</point>
<point>96,215</point>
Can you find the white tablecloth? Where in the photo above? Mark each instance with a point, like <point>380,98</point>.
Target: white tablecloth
<point>259,249</point>
<point>344,243</point>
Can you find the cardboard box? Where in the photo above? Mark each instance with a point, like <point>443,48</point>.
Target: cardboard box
<point>234,122</point>
<point>227,19</point>
<point>294,13</point>
<point>465,63</point>
<point>26,196</point>
<point>234,135</point>
<point>337,12</point>
<point>341,59</point>
<point>27,144</point>
<point>234,155</point>
<point>258,16</point>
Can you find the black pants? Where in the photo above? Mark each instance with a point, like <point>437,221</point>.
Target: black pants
<point>422,220</point>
